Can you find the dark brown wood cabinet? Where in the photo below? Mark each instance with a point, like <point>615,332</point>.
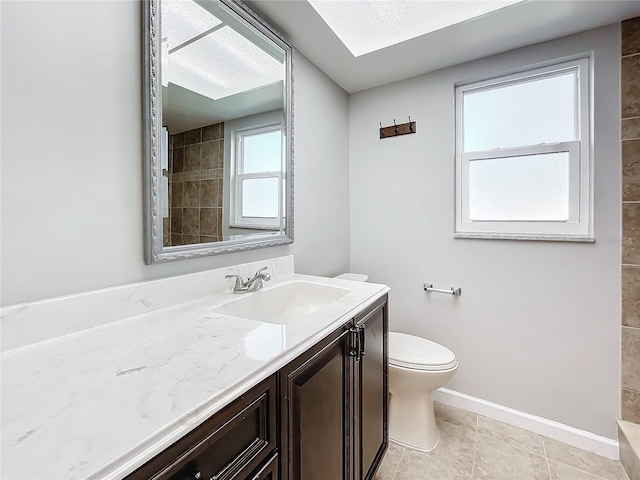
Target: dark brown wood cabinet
<point>321,417</point>
<point>315,411</point>
<point>371,392</point>
<point>334,403</point>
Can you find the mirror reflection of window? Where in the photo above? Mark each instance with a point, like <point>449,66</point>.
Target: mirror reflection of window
<point>258,178</point>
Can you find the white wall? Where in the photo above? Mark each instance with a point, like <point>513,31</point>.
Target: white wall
<point>536,328</point>
<point>71,157</point>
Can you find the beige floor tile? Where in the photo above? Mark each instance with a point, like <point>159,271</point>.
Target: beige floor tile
<point>560,471</point>
<point>417,465</point>
<point>496,451</point>
<point>583,460</point>
<point>390,462</point>
<point>454,415</point>
<point>524,439</point>
<point>500,461</point>
<point>456,443</point>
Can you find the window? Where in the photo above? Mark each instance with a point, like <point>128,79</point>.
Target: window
<point>257,178</point>
<point>523,168</point>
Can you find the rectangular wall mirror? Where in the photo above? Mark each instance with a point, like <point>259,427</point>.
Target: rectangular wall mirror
<point>218,119</point>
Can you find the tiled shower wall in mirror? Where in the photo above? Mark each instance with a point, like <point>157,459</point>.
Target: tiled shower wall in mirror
<point>630,90</point>
<point>196,159</point>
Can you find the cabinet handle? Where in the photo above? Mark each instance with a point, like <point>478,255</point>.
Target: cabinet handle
<point>355,347</point>
<point>362,338</point>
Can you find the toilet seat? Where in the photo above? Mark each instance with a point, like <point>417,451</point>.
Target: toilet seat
<point>418,353</point>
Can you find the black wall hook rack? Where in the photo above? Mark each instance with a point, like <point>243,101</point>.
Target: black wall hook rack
<point>395,130</point>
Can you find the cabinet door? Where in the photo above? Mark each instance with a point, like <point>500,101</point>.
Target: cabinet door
<point>371,395</point>
<point>315,394</point>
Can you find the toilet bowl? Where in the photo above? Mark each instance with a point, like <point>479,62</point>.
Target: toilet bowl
<point>417,367</point>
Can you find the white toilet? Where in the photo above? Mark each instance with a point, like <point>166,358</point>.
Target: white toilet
<point>417,367</point>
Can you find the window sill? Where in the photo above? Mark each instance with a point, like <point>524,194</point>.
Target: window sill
<point>522,236</point>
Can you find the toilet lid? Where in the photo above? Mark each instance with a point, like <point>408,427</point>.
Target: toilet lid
<point>419,353</point>
<point>356,277</point>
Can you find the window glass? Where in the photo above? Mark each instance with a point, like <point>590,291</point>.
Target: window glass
<point>260,197</point>
<point>521,114</point>
<point>262,152</point>
<point>529,187</point>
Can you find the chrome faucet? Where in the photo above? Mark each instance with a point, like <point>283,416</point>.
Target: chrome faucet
<point>252,284</point>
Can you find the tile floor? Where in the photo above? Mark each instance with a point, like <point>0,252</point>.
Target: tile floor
<point>475,447</point>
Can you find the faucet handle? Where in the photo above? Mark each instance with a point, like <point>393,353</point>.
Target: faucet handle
<point>239,281</point>
<point>265,275</point>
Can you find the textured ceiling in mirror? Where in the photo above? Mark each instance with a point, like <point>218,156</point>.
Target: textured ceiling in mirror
<point>194,38</point>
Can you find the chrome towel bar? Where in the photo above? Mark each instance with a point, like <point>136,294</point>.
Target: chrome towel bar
<point>457,291</point>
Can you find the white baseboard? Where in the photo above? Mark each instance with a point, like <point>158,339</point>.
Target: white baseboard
<point>606,447</point>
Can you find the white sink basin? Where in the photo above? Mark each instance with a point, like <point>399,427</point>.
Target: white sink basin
<point>283,304</point>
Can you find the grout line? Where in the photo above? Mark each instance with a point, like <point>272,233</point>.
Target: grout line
<point>545,455</point>
<point>629,118</point>
<point>546,458</point>
<point>633,328</point>
<point>517,447</point>
<point>626,475</point>
<point>629,139</point>
<point>584,471</point>
<point>566,464</point>
<point>395,472</point>
<point>630,55</point>
<point>475,450</point>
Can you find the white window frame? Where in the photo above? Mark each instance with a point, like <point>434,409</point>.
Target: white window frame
<point>237,176</point>
<point>579,226</point>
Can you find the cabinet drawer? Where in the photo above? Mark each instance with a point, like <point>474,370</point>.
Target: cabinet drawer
<point>269,471</point>
<point>229,445</point>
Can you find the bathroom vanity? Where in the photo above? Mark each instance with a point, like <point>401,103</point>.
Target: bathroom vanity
<point>308,421</point>
<point>157,380</point>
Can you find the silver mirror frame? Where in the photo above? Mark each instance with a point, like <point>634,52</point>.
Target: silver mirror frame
<point>155,252</point>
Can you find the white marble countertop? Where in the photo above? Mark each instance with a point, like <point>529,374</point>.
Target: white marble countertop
<point>101,402</point>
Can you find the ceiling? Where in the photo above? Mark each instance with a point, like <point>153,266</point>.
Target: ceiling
<point>246,79</point>
<point>183,109</point>
<point>512,27</point>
